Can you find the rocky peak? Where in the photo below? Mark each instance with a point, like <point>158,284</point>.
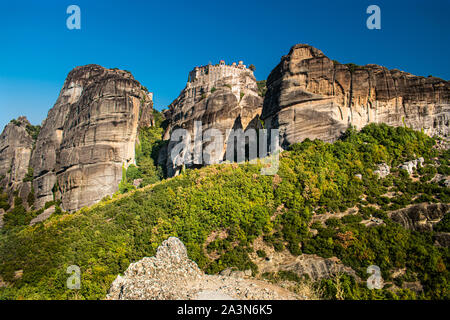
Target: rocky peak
<point>171,275</point>
<point>221,97</point>
<point>312,96</point>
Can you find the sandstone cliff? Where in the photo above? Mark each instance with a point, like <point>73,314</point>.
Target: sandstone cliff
<point>311,96</point>
<point>86,139</point>
<point>221,97</point>
<point>420,217</point>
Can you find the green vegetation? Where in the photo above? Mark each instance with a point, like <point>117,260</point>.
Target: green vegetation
<point>262,88</point>
<point>236,200</point>
<point>18,216</point>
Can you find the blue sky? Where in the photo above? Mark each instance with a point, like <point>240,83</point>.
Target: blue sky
<point>161,41</point>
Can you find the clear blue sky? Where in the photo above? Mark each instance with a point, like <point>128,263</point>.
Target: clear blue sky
<point>161,41</point>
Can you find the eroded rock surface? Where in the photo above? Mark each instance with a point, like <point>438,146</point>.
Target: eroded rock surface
<point>171,275</point>
<point>420,217</point>
<point>312,96</point>
<point>221,97</point>
<point>88,136</point>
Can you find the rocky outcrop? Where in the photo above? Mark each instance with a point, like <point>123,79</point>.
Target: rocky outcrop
<point>420,217</point>
<point>171,275</point>
<point>85,141</point>
<point>16,145</point>
<point>43,216</point>
<point>221,97</point>
<point>311,96</point>
<point>310,265</point>
<point>410,166</point>
<point>2,213</point>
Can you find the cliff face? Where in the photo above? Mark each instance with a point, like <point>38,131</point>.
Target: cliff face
<point>16,145</point>
<point>88,136</point>
<point>311,96</point>
<point>420,217</point>
<point>221,97</point>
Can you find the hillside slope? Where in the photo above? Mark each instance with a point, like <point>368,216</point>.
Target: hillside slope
<point>219,211</point>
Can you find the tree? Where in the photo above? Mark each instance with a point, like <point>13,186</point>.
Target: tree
<point>252,67</point>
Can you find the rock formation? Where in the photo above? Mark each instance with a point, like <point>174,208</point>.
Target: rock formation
<point>222,97</point>
<point>311,96</point>
<point>410,166</point>
<point>88,136</point>
<point>315,267</point>
<point>420,217</point>
<point>171,275</point>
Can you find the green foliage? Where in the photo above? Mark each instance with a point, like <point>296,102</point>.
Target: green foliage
<point>345,287</point>
<point>33,131</point>
<point>124,185</point>
<point>29,175</point>
<point>213,90</point>
<point>261,253</point>
<point>147,151</point>
<point>443,225</point>
<point>31,197</point>
<point>352,67</point>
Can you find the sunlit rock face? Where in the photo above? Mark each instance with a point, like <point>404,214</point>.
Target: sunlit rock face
<point>88,136</point>
<point>311,96</point>
<point>221,97</point>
